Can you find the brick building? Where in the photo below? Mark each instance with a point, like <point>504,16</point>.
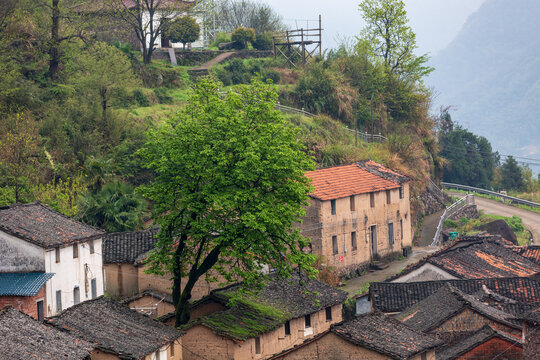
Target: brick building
<point>26,338</point>
<point>118,332</point>
<point>284,314</point>
<point>373,336</point>
<point>24,292</point>
<point>357,213</point>
<point>38,237</point>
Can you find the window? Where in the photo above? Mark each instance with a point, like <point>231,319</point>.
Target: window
<point>57,254</point>
<point>401,228</point>
<point>423,356</point>
<point>353,240</point>
<point>91,246</point>
<point>307,321</point>
<point>334,245</point>
<point>40,314</point>
<point>353,206</point>
<point>401,194</point>
<point>75,251</point>
<point>172,349</point>
<point>158,357</point>
<point>257,345</point>
<point>329,313</point>
<point>388,197</point>
<point>93,286</point>
<point>391,233</point>
<point>59,300</point>
<point>76,295</point>
<point>372,199</point>
<point>333,205</point>
<point>287,328</point>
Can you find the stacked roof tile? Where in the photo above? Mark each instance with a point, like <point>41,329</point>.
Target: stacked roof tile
<point>391,297</point>
<point>25,338</point>
<point>39,224</point>
<point>115,328</point>
<point>531,252</point>
<point>385,335</point>
<point>126,247</point>
<point>347,180</point>
<point>22,284</point>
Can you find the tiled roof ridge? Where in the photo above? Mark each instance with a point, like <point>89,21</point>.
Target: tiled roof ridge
<point>25,287</point>
<point>153,229</point>
<point>373,167</point>
<point>150,292</point>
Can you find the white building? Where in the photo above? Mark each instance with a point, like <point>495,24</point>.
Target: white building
<point>37,236</point>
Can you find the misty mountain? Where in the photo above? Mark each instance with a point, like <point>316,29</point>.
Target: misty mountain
<point>490,73</point>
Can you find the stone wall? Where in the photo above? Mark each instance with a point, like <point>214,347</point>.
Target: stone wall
<point>469,212</point>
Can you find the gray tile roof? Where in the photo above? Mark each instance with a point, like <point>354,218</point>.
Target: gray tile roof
<point>396,297</point>
<point>447,302</point>
<point>39,224</point>
<point>115,328</point>
<point>22,284</point>
<point>385,335</point>
<point>24,338</point>
<point>126,247</point>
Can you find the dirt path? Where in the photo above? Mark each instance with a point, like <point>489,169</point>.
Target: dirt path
<point>354,285</point>
<point>218,59</point>
<point>429,228</point>
<point>531,220</point>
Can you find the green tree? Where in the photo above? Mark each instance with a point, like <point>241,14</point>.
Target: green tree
<point>115,207</point>
<point>243,36</point>
<point>512,175</point>
<point>388,37</point>
<point>103,69</point>
<point>183,29</point>
<point>229,184</point>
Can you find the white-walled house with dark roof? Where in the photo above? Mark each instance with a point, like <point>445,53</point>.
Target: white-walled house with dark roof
<point>41,239</point>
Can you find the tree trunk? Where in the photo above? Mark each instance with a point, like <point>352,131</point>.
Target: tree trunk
<point>53,50</point>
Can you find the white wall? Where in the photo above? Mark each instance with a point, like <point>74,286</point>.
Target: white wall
<point>196,44</point>
<point>426,272</point>
<point>70,272</point>
<point>19,256</point>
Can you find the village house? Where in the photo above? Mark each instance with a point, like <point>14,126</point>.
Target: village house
<point>25,338</point>
<point>24,292</point>
<point>372,336</point>
<point>471,257</point>
<point>486,344</point>
<point>124,261</point>
<point>451,314</point>
<point>395,297</point>
<point>55,244</point>
<point>285,313</point>
<point>118,332</point>
<point>358,213</point>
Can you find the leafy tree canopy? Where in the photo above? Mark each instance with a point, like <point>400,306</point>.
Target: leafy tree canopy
<point>229,185</point>
<point>388,38</point>
<point>243,35</point>
<point>183,29</point>
<point>512,175</point>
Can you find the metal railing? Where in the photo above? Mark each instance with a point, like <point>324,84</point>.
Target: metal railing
<point>449,212</point>
<point>435,190</point>
<point>514,200</point>
<point>368,137</point>
<point>291,110</point>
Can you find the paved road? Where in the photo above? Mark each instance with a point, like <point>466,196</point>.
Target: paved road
<point>531,220</point>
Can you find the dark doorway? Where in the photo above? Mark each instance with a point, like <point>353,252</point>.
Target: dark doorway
<point>373,237</point>
<point>165,43</point>
<point>40,314</point>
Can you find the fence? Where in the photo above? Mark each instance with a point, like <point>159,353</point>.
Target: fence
<point>449,212</point>
<point>436,191</point>
<point>514,200</point>
<point>368,137</point>
<point>291,110</point>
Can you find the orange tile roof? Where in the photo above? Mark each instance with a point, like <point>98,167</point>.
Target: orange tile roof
<point>343,181</point>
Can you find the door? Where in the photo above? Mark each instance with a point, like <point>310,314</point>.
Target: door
<point>40,313</point>
<point>94,288</point>
<point>373,237</point>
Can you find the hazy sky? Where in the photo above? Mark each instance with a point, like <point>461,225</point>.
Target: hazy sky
<point>436,22</point>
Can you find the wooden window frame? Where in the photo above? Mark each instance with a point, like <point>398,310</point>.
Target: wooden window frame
<point>328,312</point>
<point>75,250</point>
<point>352,203</point>
<point>335,246</point>
<point>333,207</point>
<point>354,241</point>
<point>372,199</point>
<point>57,254</point>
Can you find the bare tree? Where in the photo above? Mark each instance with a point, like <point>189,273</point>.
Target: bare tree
<point>232,14</point>
<point>147,19</point>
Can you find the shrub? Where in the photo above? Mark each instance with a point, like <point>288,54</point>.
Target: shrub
<point>272,75</point>
<point>163,96</point>
<point>140,98</point>
<point>243,35</point>
<point>448,223</point>
<point>221,38</point>
<point>263,42</point>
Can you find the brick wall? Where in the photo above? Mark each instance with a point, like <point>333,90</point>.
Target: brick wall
<point>492,348</point>
<point>26,304</point>
<point>469,320</point>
